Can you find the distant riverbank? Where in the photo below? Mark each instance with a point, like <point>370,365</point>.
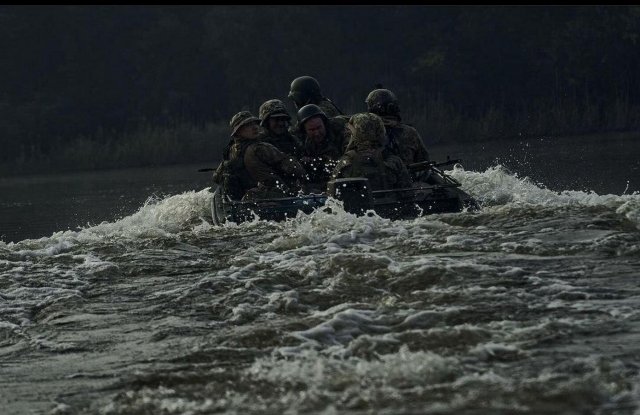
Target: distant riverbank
<point>605,164</point>
<point>147,146</point>
<point>154,146</point>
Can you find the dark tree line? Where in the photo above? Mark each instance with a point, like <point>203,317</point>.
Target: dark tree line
<point>101,73</point>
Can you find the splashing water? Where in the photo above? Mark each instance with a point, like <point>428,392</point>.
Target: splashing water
<point>528,306</point>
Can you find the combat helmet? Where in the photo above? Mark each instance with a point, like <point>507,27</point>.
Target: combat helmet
<point>309,111</point>
<point>368,130</point>
<point>272,108</point>
<point>240,119</point>
<point>382,102</point>
<point>304,89</point>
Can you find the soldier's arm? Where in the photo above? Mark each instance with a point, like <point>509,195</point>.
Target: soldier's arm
<point>340,133</point>
<point>329,108</point>
<point>339,170</point>
<point>347,145</point>
<point>342,167</point>
<point>421,153</point>
<point>404,177</point>
<point>298,145</point>
<point>218,174</point>
<point>282,162</point>
<point>292,167</point>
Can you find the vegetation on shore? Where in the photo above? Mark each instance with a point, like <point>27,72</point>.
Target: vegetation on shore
<point>91,87</point>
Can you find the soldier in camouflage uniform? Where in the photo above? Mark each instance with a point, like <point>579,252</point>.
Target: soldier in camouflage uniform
<point>324,140</point>
<point>402,139</point>
<point>306,90</point>
<point>256,169</point>
<point>367,156</point>
<point>275,119</point>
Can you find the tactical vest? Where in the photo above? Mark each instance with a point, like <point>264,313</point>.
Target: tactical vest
<point>329,108</point>
<point>236,178</point>
<point>318,169</point>
<point>392,146</point>
<point>372,167</point>
<point>322,159</point>
<point>287,143</point>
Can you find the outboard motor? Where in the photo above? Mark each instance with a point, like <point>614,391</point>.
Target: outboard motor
<point>355,194</point>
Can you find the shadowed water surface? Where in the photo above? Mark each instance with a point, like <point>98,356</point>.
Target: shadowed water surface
<point>529,306</point>
<point>36,206</point>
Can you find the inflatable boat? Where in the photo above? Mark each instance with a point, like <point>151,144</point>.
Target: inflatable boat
<point>437,193</point>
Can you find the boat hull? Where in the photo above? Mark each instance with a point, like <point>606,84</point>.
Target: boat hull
<point>438,197</point>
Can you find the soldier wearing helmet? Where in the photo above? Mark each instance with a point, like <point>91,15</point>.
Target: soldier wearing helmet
<point>323,143</point>
<point>368,158</point>
<point>401,139</point>
<point>276,120</point>
<point>306,90</point>
<point>254,168</point>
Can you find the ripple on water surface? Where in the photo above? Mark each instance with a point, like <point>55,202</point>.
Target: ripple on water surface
<point>528,306</point>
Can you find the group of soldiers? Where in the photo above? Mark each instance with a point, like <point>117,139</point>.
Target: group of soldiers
<point>269,157</point>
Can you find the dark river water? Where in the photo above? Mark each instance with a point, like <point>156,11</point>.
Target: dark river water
<point>118,296</point>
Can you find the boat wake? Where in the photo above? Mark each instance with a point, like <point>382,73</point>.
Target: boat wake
<point>522,301</point>
<point>496,186</point>
<point>496,189</point>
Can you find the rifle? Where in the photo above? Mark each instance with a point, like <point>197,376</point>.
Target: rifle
<point>440,177</point>
<point>209,168</point>
<point>426,165</point>
<point>225,156</point>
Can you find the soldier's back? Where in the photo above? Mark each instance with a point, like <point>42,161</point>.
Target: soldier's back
<point>329,108</point>
<point>287,143</point>
<point>411,148</point>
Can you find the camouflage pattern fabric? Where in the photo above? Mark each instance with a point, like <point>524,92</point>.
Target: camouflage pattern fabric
<point>287,143</point>
<point>271,108</point>
<point>231,174</point>
<point>384,171</point>
<point>258,168</point>
<point>336,140</point>
<point>367,131</point>
<point>411,148</point>
<point>380,97</point>
<point>328,107</point>
<point>382,102</point>
<point>319,159</point>
<point>367,157</point>
<point>270,166</point>
<point>402,140</point>
<point>240,119</point>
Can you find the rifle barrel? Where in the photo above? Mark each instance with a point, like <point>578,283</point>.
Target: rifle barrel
<point>423,165</point>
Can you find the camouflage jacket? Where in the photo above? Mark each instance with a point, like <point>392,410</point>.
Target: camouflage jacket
<point>254,163</point>
<point>402,140</point>
<point>383,171</point>
<point>287,143</point>
<point>319,159</point>
<point>406,140</point>
<point>329,108</point>
<point>368,158</point>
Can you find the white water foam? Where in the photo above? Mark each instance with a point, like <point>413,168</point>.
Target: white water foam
<point>190,211</point>
<point>166,217</point>
<point>317,370</point>
<point>496,186</point>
